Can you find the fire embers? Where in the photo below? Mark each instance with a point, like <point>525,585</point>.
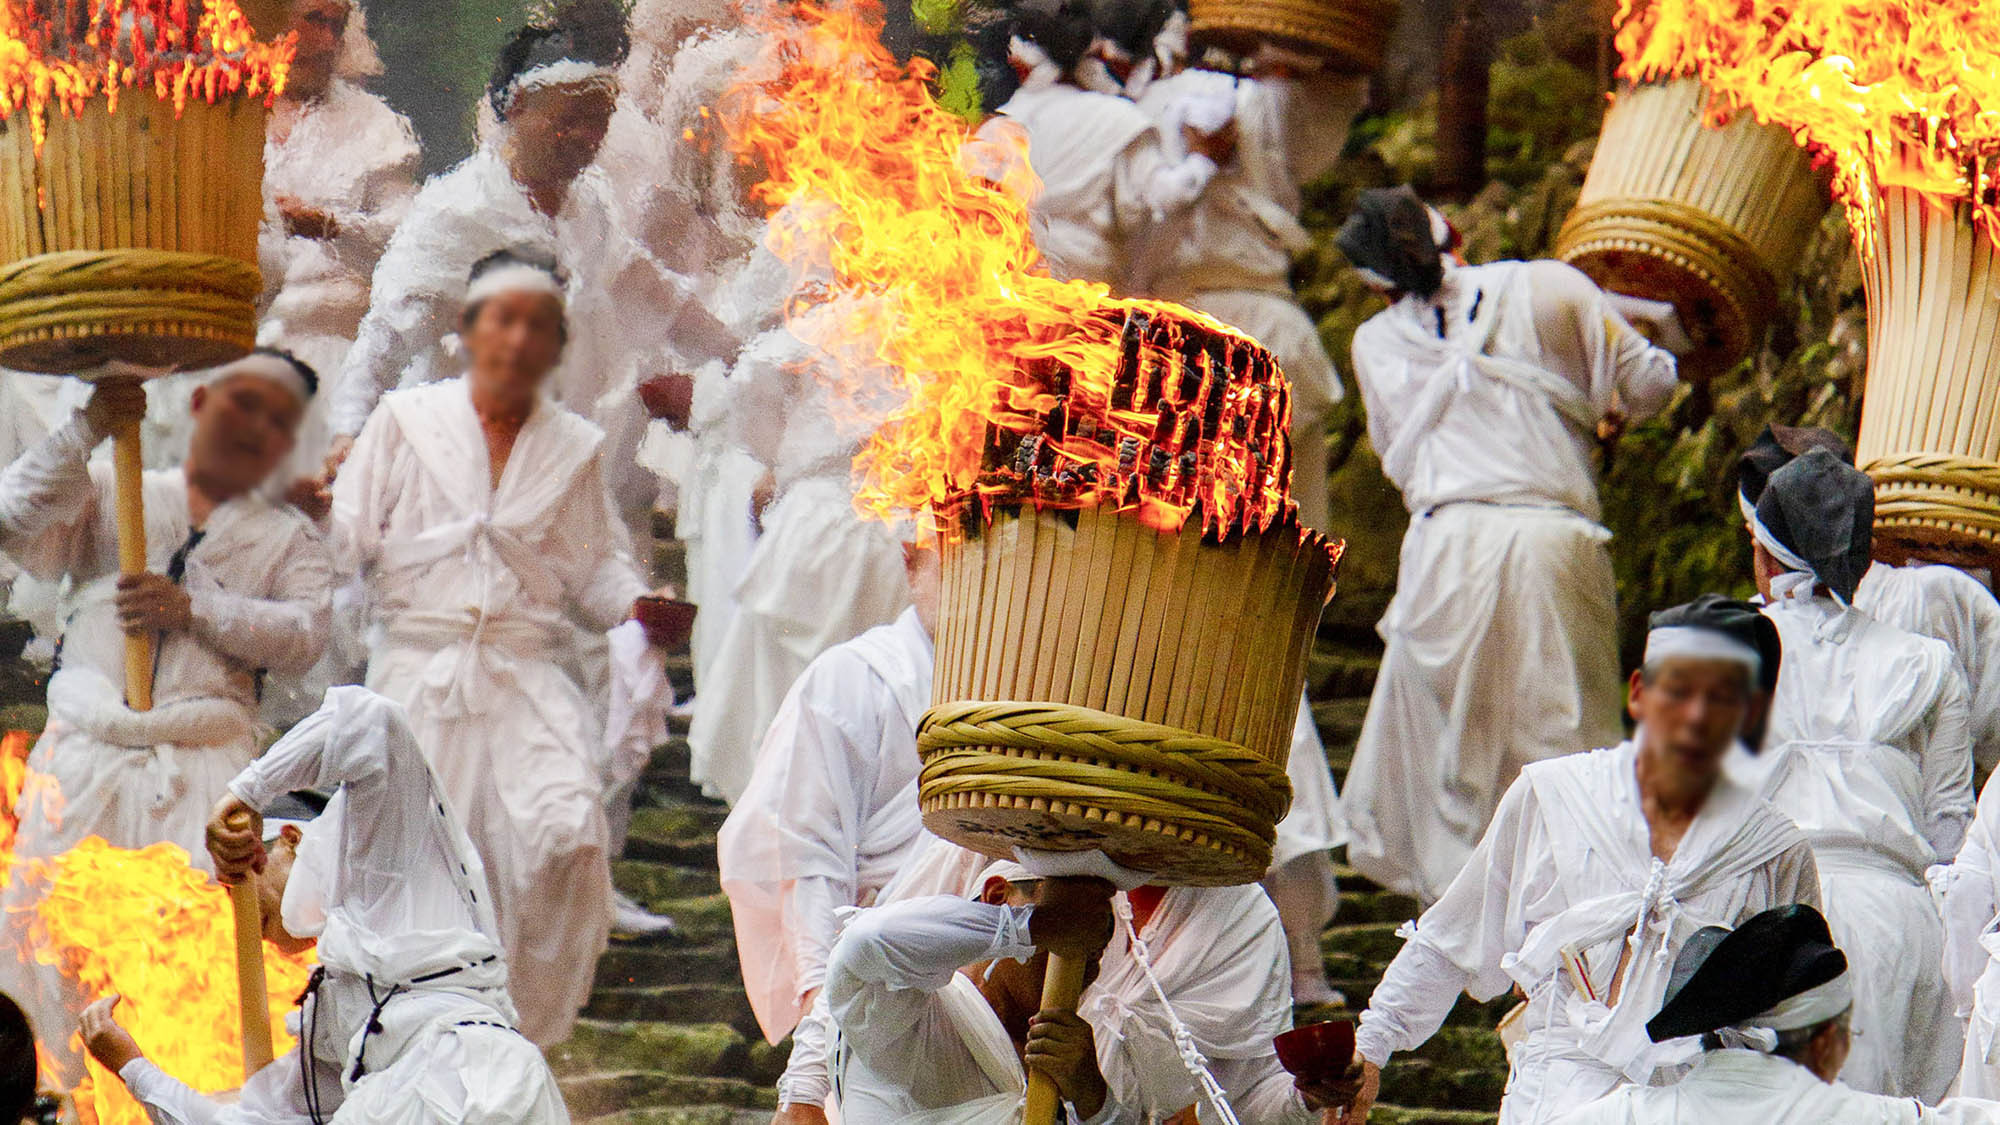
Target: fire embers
<point>66,52</point>
<point>1194,429</point>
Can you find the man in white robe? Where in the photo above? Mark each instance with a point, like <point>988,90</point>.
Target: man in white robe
<point>1484,386</point>
<point>1106,175</point>
<point>1971,894</point>
<point>483,561</point>
<point>408,1022</point>
<point>1230,254</point>
<point>1596,870</point>
<point>1868,751</point>
<point>830,816</point>
<point>1771,1001</point>
<point>938,1001</point>
<point>1930,600</point>
<point>235,586</point>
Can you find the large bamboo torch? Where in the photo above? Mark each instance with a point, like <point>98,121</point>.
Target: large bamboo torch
<point>129,221</point>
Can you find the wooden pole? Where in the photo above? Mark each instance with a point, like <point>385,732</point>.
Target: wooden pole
<point>128,468</point>
<point>253,1001</point>
<point>1062,987</point>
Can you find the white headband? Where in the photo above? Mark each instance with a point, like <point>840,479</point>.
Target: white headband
<point>1691,642</point>
<point>270,368</point>
<point>275,827</point>
<point>515,277</point>
<point>1810,1008</point>
<point>1000,869</point>
<point>1800,582</point>
<point>562,72</point>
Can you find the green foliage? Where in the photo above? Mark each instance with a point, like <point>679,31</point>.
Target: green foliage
<point>1538,106</point>
<point>958,83</point>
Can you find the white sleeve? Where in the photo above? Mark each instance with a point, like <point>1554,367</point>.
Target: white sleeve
<point>49,501</point>
<point>594,553</point>
<point>166,1099</point>
<point>285,632</point>
<point>806,1080</point>
<point>417,294</point>
<point>363,494</point>
<point>1583,336</point>
<point>1457,945</point>
<point>1945,763</point>
<point>1261,1091</point>
<point>1971,900</point>
<point>356,740</point>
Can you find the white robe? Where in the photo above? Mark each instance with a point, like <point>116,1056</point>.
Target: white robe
<point>1738,1087</point>
<point>1230,254</point>
<point>480,590</point>
<point>919,1044</point>
<point>1502,645</point>
<point>1971,893</point>
<point>257,583</point>
<point>1867,751</point>
<point>1105,176</point>
<point>1301,879</point>
<point>1568,864</point>
<point>1947,604</point>
<point>820,574</point>
<point>395,893</point>
<point>830,813</point>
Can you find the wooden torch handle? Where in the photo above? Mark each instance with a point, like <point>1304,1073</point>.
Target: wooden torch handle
<point>253,1000</point>
<point>1061,989</point>
<point>128,467</point>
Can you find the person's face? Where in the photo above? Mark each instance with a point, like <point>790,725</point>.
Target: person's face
<point>557,131</point>
<point>271,882</point>
<point>320,25</point>
<point>1691,712</point>
<point>243,428</point>
<point>514,341</point>
<point>925,568</point>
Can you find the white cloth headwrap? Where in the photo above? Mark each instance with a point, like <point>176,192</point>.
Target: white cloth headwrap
<point>562,72</point>
<point>1696,643</point>
<point>274,827</point>
<point>270,368</point>
<point>1810,1008</point>
<point>518,277</point>
<point>1800,582</point>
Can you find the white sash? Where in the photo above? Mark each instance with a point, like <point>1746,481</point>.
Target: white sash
<point>992,1050</point>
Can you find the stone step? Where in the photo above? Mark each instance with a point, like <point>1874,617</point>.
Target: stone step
<point>680,962</point>
<point>701,921</point>
<point>649,882</point>
<point>678,834</point>
<point>1398,1115</point>
<point>1341,672</point>
<point>718,1001</point>
<point>702,1115</point>
<point>705,1050</point>
<point>598,1095</point>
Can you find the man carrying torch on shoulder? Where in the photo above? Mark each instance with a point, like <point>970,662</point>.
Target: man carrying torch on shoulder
<point>236,585</point>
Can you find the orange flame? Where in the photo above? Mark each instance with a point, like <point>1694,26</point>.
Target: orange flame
<point>1892,92</point>
<point>986,381</point>
<point>150,927</point>
<point>62,53</point>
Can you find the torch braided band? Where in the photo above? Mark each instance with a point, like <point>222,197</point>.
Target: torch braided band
<point>79,293</point>
<point>1351,33</point>
<point>1686,238</point>
<point>1059,753</point>
<point>1939,491</point>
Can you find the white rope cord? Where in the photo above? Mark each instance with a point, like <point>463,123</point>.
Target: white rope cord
<point>1191,1056</point>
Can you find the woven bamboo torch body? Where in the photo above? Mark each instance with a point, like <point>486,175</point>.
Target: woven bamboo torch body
<point>1348,36</point>
<point>1930,422</point>
<point>1713,220</point>
<point>1102,685</point>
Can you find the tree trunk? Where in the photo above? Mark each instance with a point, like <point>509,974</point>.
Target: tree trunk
<point>1462,92</point>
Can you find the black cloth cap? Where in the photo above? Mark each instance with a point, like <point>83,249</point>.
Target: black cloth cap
<point>302,805</point>
<point>1823,511</point>
<point>1775,448</point>
<point>1727,977</point>
<point>1737,620</point>
<point>1390,234</point>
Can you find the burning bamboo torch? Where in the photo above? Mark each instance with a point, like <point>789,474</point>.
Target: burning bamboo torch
<point>1127,595</point>
<point>1902,100</point>
<point>130,201</point>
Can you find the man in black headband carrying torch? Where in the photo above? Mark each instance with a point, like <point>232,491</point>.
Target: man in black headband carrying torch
<point>1485,388</point>
<point>236,585</point>
<point>1597,868</point>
